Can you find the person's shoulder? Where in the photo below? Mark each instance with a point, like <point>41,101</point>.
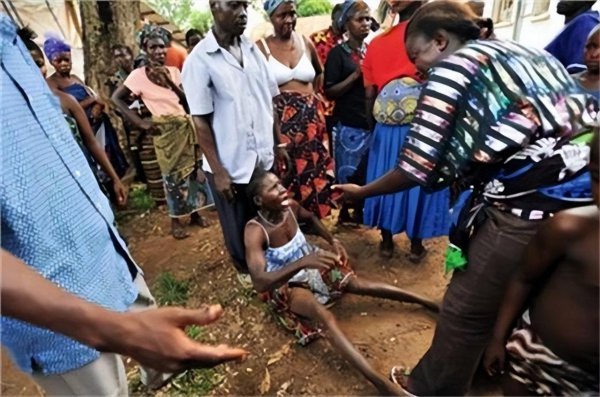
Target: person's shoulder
<point>591,16</point>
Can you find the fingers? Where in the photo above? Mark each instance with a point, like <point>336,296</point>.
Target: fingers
<point>206,356</point>
<point>202,316</point>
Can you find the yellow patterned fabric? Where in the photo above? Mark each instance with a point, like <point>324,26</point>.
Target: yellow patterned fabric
<point>175,146</point>
<point>397,102</point>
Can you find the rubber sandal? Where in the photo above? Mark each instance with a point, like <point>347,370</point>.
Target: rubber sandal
<point>399,376</point>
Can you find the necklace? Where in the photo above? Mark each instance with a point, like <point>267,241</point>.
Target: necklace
<point>271,224</point>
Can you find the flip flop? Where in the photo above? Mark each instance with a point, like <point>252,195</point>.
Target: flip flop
<point>399,376</point>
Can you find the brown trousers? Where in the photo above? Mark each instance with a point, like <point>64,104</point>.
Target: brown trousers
<point>470,306</point>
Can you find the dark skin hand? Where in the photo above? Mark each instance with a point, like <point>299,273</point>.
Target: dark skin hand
<point>206,140</point>
<point>393,181</point>
<point>155,338</point>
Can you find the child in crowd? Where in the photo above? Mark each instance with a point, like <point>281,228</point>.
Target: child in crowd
<point>298,279</point>
<point>554,348</point>
<point>589,79</point>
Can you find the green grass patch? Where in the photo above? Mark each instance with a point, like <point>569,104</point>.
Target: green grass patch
<point>196,382</point>
<point>140,199</point>
<point>168,291</point>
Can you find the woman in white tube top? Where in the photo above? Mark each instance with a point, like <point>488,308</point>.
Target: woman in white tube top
<point>294,62</point>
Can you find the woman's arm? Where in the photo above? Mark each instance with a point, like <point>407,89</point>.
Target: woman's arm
<point>370,96</point>
<point>90,142</point>
<point>391,182</point>
<point>316,63</point>
<point>334,87</point>
<point>263,281</point>
<point>91,99</point>
<point>304,215</point>
<point>118,98</point>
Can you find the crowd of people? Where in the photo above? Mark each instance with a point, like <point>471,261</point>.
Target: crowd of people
<point>434,127</point>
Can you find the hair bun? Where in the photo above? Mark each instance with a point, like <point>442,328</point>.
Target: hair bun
<point>26,33</point>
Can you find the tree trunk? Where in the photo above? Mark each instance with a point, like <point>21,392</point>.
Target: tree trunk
<point>104,24</point>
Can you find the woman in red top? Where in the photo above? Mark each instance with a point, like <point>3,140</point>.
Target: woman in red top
<point>392,88</point>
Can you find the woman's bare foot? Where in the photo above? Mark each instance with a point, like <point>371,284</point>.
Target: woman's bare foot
<point>399,377</point>
<point>177,230</point>
<point>417,251</point>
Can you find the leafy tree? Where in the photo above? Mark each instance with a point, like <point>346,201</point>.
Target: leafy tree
<point>183,14</point>
<point>308,8</point>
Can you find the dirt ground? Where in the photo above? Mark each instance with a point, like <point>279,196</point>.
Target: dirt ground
<point>387,333</point>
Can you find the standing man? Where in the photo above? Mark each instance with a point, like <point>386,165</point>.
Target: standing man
<point>568,46</point>
<point>230,91</point>
<point>56,221</point>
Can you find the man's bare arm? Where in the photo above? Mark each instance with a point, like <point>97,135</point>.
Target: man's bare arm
<point>155,338</point>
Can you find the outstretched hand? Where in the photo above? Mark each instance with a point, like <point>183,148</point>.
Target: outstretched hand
<point>349,191</point>
<point>156,338</point>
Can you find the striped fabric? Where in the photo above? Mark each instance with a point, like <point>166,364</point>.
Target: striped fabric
<point>486,102</point>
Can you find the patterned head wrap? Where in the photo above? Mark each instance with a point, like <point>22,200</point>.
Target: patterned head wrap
<point>54,45</point>
<point>148,30</point>
<point>271,5</point>
<point>345,14</point>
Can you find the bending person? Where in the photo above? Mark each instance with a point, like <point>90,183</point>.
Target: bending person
<point>506,108</point>
<point>298,279</point>
<point>159,86</point>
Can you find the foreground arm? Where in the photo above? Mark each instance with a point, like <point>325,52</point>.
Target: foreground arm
<point>541,255</point>
<point>118,98</point>
<point>155,338</point>
<point>263,281</point>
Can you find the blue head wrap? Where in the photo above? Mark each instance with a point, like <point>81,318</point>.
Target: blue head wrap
<point>343,18</point>
<point>271,5</point>
<point>53,45</point>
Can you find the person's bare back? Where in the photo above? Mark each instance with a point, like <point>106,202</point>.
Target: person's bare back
<point>564,313</point>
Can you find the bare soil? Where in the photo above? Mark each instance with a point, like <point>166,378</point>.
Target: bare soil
<point>388,333</point>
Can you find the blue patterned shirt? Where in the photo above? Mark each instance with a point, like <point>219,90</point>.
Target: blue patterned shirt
<point>54,216</point>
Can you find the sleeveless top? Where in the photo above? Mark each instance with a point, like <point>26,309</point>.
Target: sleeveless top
<point>279,257</point>
<point>303,71</point>
<point>77,90</point>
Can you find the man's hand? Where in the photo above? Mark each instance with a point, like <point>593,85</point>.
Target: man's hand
<point>349,191</point>
<point>156,338</point>
<point>224,185</point>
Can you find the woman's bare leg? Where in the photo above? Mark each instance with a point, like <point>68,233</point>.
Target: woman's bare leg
<point>360,286</point>
<point>303,303</point>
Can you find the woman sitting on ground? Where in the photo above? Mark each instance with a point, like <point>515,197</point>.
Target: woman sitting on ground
<point>159,86</point>
<point>299,279</point>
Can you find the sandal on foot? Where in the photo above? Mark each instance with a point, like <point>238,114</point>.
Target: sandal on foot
<point>399,376</point>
